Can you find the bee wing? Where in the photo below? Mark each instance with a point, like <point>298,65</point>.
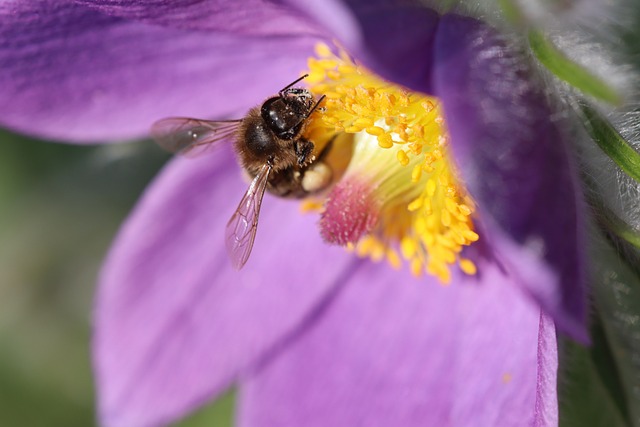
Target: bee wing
<point>241,228</point>
<point>192,136</point>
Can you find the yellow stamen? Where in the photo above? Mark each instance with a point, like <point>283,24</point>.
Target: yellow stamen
<point>467,266</point>
<point>425,214</point>
<point>311,205</point>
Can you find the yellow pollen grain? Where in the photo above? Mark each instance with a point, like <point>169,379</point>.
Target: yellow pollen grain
<point>393,258</point>
<point>364,247</point>
<point>327,63</point>
<point>408,247</point>
<point>416,267</point>
<point>428,239</point>
<point>432,222</point>
<point>375,130</point>
<point>467,266</point>
<point>311,205</point>
<point>426,206</point>
<point>439,270</point>
<point>402,157</point>
<point>334,75</point>
<point>415,205</point>
<point>470,235</point>
<point>323,51</point>
<point>446,241</point>
<point>426,215</point>
<point>465,210</point>
<point>378,252</point>
<point>416,173</point>
<point>458,238</point>
<point>431,188</point>
<point>346,69</point>
<point>385,141</point>
<point>452,208</point>
<point>332,95</point>
<point>363,122</point>
<point>445,217</point>
<point>447,255</point>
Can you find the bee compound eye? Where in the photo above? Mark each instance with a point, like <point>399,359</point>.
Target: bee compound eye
<point>278,119</point>
<point>284,117</point>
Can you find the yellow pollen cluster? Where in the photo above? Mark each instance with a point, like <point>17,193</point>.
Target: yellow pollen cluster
<point>425,213</point>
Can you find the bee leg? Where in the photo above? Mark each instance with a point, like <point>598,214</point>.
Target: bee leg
<point>303,149</point>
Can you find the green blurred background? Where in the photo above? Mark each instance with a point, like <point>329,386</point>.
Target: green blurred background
<point>60,207</point>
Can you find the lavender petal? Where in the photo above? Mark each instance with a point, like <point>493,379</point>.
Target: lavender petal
<point>512,153</point>
<point>70,73</point>
<point>252,17</point>
<point>392,350</point>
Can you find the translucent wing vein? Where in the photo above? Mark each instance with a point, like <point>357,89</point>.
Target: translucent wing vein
<point>241,228</point>
<point>191,136</point>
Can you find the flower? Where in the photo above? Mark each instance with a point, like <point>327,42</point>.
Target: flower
<point>312,335</point>
<point>404,201</point>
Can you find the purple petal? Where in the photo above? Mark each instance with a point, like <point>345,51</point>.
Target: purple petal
<point>70,73</point>
<point>546,398</point>
<point>513,156</point>
<point>175,324</point>
<point>251,17</point>
<point>392,351</point>
<point>393,39</point>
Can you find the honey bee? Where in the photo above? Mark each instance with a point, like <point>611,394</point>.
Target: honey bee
<point>271,148</point>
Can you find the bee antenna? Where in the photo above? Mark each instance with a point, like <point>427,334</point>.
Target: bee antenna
<point>315,106</point>
<point>304,76</point>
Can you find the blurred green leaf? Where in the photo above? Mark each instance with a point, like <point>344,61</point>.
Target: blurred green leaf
<point>29,402</point>
<point>616,294</point>
<point>569,71</point>
<point>612,143</point>
<point>584,398</point>
<point>611,222</point>
<point>216,414</point>
<point>60,206</point>
<point>511,11</point>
